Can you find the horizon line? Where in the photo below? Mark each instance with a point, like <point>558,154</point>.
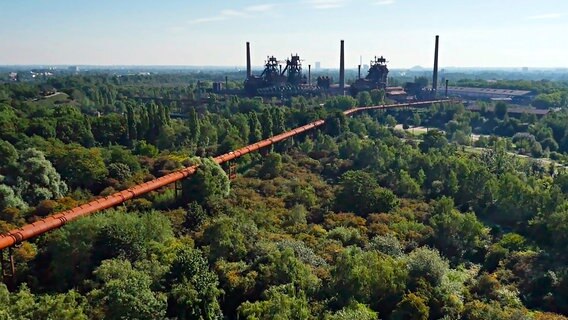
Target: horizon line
<point>258,66</point>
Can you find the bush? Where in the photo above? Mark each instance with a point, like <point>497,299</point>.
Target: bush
<point>388,245</point>
<point>347,236</point>
<point>427,264</point>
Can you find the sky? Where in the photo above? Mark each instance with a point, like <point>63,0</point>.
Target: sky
<point>480,33</point>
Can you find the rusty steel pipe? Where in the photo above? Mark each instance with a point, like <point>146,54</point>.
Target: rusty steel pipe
<point>57,220</point>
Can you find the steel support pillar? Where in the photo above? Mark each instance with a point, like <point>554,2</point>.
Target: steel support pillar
<point>8,267</point>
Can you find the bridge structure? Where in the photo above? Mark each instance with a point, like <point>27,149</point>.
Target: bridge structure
<point>29,231</point>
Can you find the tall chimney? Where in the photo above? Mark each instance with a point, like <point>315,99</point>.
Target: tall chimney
<point>249,72</point>
<point>447,82</point>
<point>310,74</point>
<point>435,77</point>
<point>359,73</point>
<point>342,67</point>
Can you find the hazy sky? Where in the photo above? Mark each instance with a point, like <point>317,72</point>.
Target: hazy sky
<point>484,33</point>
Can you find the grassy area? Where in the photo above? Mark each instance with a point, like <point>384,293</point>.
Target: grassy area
<point>59,98</point>
<point>545,161</point>
<point>419,131</point>
<point>415,131</point>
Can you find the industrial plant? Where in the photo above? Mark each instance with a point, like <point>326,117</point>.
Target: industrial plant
<point>285,78</point>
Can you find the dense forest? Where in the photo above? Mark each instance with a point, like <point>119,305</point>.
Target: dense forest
<point>357,220</point>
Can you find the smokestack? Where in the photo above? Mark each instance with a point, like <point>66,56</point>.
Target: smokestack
<point>447,82</point>
<point>342,67</point>
<point>309,74</point>
<point>359,73</point>
<point>435,76</point>
<point>226,82</point>
<point>249,72</point>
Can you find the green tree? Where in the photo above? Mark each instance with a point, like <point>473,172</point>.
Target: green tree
<point>407,186</point>
<point>341,103</point>
<point>110,129</point>
<point>428,264</point>
<point>416,120</point>
<point>350,147</point>
<point>283,267</point>
<point>266,124</point>
<point>360,193</point>
<point>143,126</point>
<point>208,185</point>
<point>354,311</point>
<point>548,101</point>
<point>8,122</point>
<point>43,127</point>
<point>70,305</point>
<point>72,126</point>
<point>143,148</point>
<point>119,154</point>
<point>388,245</point>
<point>377,96</point>
<point>281,302</point>
<point>9,199</point>
<point>295,216</point>
<point>8,155</point>
<point>501,110</point>
<point>412,307</point>
<point>455,233</point>
<point>82,167</point>
<point>119,171</point>
<point>367,277</point>
<point>433,139</point>
<point>131,124</point>
<point>131,236</point>
<point>229,238</point>
<point>38,180</point>
<point>278,121</point>
<point>272,166</point>
<point>24,305</point>
<point>74,243</point>
<point>364,99</point>
<point>390,121</point>
<point>166,137</point>
<point>125,293</point>
<point>477,310</point>
<point>516,201</point>
<point>241,126</point>
<point>194,126</point>
<point>195,216</point>
<point>255,134</point>
<point>557,223</point>
<point>336,124</point>
<point>154,123</point>
<point>193,288</point>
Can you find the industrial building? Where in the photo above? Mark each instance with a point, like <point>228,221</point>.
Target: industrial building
<point>277,81</point>
<point>513,96</point>
<point>286,78</point>
<point>512,111</point>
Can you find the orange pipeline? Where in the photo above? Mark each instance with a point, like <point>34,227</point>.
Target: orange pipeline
<point>57,220</point>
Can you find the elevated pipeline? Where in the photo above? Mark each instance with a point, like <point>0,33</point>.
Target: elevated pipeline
<point>55,221</point>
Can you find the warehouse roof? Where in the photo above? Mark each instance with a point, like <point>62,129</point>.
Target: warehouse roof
<point>513,110</point>
<point>481,91</point>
